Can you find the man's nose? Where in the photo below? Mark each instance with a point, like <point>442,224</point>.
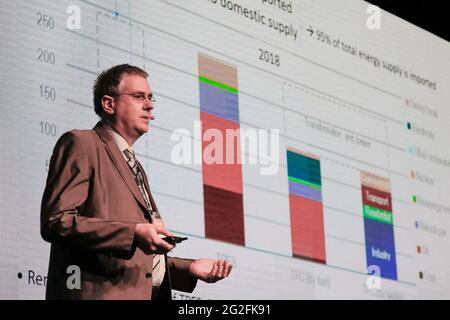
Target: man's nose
<point>148,105</point>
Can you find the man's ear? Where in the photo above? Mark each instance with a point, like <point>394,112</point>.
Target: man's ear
<point>108,104</point>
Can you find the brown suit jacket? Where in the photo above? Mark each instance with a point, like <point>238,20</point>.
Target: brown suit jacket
<point>89,210</point>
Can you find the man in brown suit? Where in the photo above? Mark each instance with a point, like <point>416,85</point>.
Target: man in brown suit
<point>98,211</point>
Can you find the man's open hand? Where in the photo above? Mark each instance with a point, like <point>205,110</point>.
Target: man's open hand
<point>210,270</point>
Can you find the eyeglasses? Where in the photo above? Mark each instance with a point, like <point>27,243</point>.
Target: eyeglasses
<point>139,97</point>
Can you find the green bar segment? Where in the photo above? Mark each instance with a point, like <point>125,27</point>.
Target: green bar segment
<point>305,183</point>
<point>218,85</point>
<point>377,214</point>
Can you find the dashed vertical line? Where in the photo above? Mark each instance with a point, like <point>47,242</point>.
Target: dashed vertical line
<point>283,102</point>
<point>283,99</point>
<point>129,28</point>
<point>143,47</point>
<point>98,40</point>
<point>387,147</point>
<point>146,154</point>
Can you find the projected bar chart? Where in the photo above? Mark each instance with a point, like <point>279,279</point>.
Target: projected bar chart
<point>378,225</point>
<point>222,171</point>
<point>306,208</point>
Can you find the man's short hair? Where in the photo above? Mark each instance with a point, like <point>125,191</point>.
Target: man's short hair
<point>107,83</point>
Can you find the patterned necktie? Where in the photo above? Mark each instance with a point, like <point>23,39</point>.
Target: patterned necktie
<point>132,162</point>
<point>158,273</point>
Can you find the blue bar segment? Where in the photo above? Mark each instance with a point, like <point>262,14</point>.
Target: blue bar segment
<point>305,191</point>
<point>219,102</point>
<point>380,247</point>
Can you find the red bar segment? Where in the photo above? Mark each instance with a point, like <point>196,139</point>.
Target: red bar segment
<point>376,198</point>
<point>227,176</point>
<point>307,229</point>
<point>224,215</point>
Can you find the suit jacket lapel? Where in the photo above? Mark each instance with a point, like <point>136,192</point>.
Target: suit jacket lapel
<point>116,156</point>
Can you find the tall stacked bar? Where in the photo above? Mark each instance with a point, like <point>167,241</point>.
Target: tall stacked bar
<point>378,224</point>
<point>222,182</point>
<point>306,209</point>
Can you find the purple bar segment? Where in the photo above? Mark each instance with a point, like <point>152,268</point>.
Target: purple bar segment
<point>219,102</point>
<point>305,191</point>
